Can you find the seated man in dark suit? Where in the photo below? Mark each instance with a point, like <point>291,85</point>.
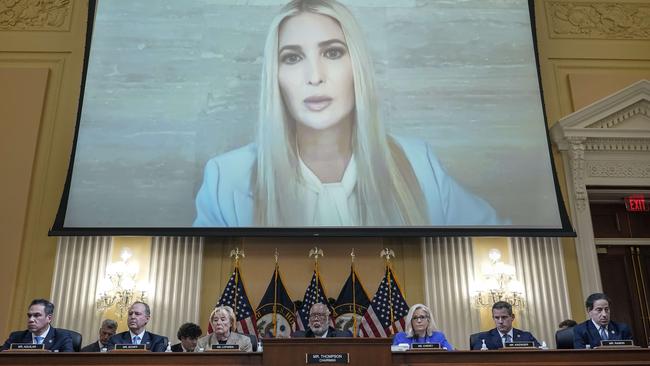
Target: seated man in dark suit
<point>106,331</point>
<point>39,331</point>
<point>139,315</point>
<point>188,334</point>
<point>319,316</point>
<point>504,332</point>
<point>599,326</point>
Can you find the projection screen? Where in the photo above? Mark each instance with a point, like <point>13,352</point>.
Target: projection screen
<point>364,117</point>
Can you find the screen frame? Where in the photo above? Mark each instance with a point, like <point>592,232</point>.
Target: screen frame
<point>59,229</point>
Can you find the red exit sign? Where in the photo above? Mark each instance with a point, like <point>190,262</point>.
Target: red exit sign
<point>637,203</point>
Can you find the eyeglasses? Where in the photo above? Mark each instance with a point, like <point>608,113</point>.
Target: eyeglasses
<point>422,317</point>
<point>318,315</point>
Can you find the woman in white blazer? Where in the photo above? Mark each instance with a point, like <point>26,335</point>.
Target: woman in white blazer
<point>322,156</point>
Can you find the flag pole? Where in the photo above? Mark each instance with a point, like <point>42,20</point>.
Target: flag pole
<point>275,295</point>
<point>236,253</point>
<point>387,253</point>
<point>354,298</point>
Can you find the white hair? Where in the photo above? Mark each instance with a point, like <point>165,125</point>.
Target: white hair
<point>388,192</point>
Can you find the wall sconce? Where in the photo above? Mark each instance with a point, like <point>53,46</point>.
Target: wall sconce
<point>497,283</point>
<point>119,288</point>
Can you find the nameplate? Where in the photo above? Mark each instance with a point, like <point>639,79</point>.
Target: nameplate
<point>27,347</point>
<point>426,346</point>
<point>617,343</point>
<point>327,358</point>
<point>520,344</point>
<point>130,347</point>
<point>225,347</point>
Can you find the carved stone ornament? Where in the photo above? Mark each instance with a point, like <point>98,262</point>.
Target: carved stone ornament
<point>577,155</point>
<point>598,20</point>
<point>619,169</point>
<point>35,15</point>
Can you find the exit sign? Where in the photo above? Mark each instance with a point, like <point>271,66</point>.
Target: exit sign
<point>637,203</point>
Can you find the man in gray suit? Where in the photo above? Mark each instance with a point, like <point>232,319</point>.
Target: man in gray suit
<point>319,317</point>
<point>106,331</point>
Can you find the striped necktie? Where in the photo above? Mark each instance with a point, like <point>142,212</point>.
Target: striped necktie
<point>603,333</point>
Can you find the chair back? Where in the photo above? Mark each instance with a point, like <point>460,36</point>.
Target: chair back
<point>253,341</point>
<point>473,339</point>
<point>564,338</point>
<point>75,336</point>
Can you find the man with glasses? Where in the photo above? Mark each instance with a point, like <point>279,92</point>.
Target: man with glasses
<point>319,317</point>
<point>504,332</point>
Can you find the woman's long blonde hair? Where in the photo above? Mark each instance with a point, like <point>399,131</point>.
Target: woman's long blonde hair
<point>388,193</point>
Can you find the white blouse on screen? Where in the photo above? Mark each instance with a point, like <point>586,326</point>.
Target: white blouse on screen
<point>331,204</point>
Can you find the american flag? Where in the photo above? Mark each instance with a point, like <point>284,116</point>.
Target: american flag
<point>313,295</point>
<point>234,295</point>
<point>387,311</point>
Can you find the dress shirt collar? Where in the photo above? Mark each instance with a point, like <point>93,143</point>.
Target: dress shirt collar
<point>141,335</point>
<point>44,335</point>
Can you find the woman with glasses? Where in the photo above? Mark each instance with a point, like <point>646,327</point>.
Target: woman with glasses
<point>421,328</point>
<point>224,326</point>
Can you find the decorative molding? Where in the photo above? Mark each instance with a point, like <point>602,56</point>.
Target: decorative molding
<point>598,20</point>
<point>617,144</point>
<point>577,154</point>
<point>29,15</point>
<point>618,169</point>
<point>640,108</point>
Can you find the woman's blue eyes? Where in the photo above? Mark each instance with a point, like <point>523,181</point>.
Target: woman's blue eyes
<point>332,53</point>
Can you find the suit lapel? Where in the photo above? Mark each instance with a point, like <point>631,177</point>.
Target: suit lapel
<point>49,339</point>
<point>27,337</point>
<point>612,331</point>
<point>593,332</point>
<point>146,339</point>
<point>495,339</point>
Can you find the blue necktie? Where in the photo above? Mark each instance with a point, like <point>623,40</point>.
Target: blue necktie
<point>38,339</point>
<point>136,340</point>
<point>603,333</point>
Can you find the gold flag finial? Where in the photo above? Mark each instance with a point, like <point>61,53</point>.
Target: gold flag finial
<point>352,255</point>
<point>276,255</point>
<point>236,254</point>
<point>387,254</point>
<point>316,252</point>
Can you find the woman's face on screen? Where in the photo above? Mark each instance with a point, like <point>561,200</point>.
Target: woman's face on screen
<point>315,72</point>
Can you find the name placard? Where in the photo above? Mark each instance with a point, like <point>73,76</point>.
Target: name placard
<point>327,358</point>
<point>520,344</point>
<point>225,347</point>
<point>130,347</point>
<point>426,346</point>
<point>27,347</point>
<point>617,343</point>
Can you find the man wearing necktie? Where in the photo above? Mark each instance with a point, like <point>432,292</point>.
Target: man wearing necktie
<point>39,330</point>
<point>138,317</point>
<point>503,332</point>
<point>599,327</point>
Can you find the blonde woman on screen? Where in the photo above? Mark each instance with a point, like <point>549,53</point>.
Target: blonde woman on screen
<point>322,156</point>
